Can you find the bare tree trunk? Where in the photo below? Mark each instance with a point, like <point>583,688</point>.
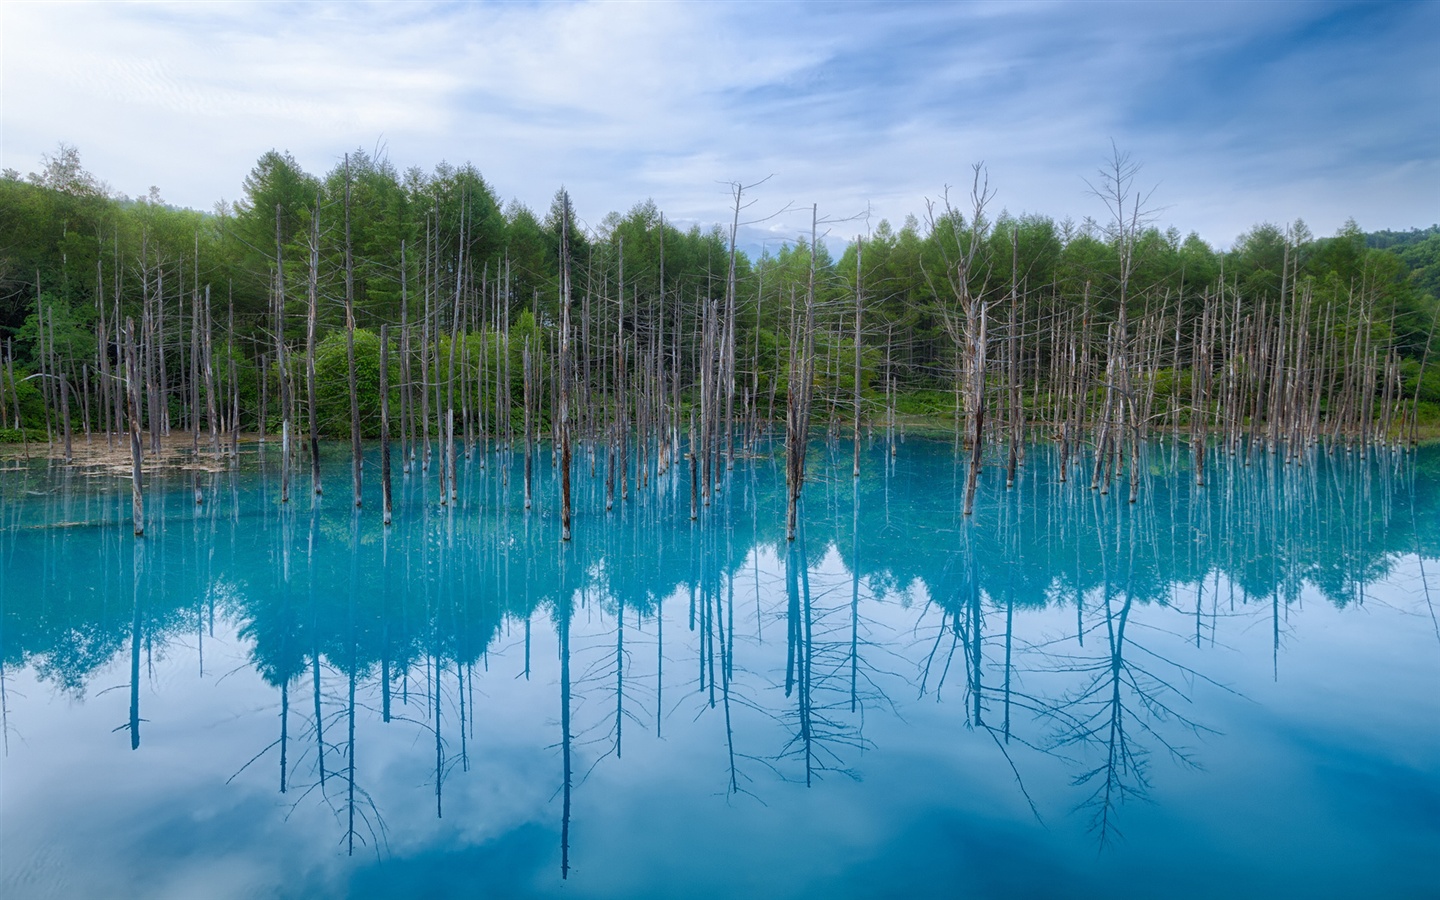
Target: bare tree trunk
<point>65,416</point>
<point>211,410</point>
<point>195,372</point>
<point>118,391</point>
<point>264,393</point>
<point>356,451</point>
<point>563,374</point>
<point>407,396</point>
<point>102,333</point>
<point>234,375</point>
<point>42,357</point>
<point>694,472</point>
<point>622,423</point>
<point>85,399</point>
<point>1013,368</point>
<point>15,397</point>
<point>152,381</point>
<point>310,325</point>
<point>385,420</point>
<point>426,349</point>
<point>727,347</point>
<point>528,398</point>
<point>855,436</point>
<point>798,402</point>
<point>449,490</point>
<point>282,360</point>
<point>132,377</point>
<point>162,379</point>
<point>1199,375</point>
<point>707,376</point>
<point>4,396</point>
<point>977,418</point>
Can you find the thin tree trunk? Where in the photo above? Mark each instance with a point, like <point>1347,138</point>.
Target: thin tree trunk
<point>282,361</point>
<point>132,377</point>
<point>528,398</point>
<point>65,416</point>
<point>798,402</point>
<point>385,420</point>
<point>859,302</point>
<point>356,451</point>
<point>563,401</point>
<point>311,323</point>
<point>211,410</point>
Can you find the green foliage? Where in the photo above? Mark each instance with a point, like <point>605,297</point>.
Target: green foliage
<point>1429,387</point>
<point>332,384</point>
<point>1427,417</point>
<point>69,335</point>
<point>87,250</point>
<point>1419,251</point>
<point>32,404</point>
<point>14,436</point>
<point>930,404</point>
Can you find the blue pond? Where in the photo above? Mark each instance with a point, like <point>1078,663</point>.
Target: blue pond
<point>1227,689</point>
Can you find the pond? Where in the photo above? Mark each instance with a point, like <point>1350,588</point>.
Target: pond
<point>1218,689</point>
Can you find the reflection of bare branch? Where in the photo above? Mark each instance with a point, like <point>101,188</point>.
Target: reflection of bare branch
<point>818,674</point>
<point>1420,554</point>
<point>355,800</point>
<point>1119,701</point>
<point>5,728</point>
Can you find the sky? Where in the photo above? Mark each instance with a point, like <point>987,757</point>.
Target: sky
<point>1237,114</point>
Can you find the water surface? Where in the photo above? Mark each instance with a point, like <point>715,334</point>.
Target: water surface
<point>1228,688</point>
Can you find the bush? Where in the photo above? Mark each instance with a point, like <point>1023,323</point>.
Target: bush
<point>32,406</point>
<point>332,384</point>
<point>14,436</point>
<point>925,403</point>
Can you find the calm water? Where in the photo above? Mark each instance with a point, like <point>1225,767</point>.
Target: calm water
<point>1228,689</point>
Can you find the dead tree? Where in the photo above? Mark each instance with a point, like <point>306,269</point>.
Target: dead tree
<point>798,399</point>
<point>859,288</point>
<point>310,326</point>
<point>357,455</point>
<point>132,384</point>
<point>385,420</point>
<point>967,275</point>
<point>563,375</point>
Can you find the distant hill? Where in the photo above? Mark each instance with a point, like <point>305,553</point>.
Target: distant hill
<point>1419,249</point>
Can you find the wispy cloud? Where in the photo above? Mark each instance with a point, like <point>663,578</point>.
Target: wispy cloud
<point>1241,112</point>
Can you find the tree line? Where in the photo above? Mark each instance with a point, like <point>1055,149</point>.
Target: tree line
<point>284,312</point>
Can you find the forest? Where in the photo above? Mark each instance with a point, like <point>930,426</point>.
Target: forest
<point>369,301</point>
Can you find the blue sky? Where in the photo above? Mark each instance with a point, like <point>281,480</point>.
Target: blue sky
<point>1239,113</point>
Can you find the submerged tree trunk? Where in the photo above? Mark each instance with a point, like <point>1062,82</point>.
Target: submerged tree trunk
<point>282,361</point>
<point>132,378</point>
<point>855,435</point>
<point>802,373</point>
<point>310,325</point>
<point>385,421</point>
<point>212,413</point>
<point>357,455</point>
<point>563,375</point>
<point>528,398</point>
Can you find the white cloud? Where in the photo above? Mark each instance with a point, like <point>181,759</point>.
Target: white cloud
<point>1233,109</point>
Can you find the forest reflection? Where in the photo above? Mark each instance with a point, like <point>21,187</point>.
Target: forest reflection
<point>1049,620</point>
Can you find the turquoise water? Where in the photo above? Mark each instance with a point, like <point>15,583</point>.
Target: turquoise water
<point>1229,689</point>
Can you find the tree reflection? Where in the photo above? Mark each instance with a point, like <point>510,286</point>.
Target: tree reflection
<point>820,643</point>
<point>1054,620</point>
<point>563,611</point>
<point>1119,702</point>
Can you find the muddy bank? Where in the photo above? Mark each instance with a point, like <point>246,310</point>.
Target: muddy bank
<point>112,452</point>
